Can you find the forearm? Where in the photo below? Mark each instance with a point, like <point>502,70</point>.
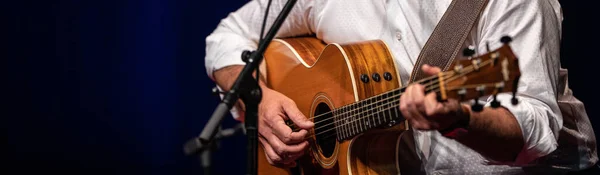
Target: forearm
<point>226,76</point>
<point>494,133</point>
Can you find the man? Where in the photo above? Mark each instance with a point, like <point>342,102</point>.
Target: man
<point>507,140</point>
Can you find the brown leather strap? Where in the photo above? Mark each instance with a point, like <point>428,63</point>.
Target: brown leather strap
<point>448,36</point>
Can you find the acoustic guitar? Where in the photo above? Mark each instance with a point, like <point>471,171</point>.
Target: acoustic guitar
<point>351,92</point>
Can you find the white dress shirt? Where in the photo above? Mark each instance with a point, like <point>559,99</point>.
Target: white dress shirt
<point>405,25</point>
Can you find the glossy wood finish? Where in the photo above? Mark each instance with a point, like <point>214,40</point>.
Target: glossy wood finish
<point>304,69</point>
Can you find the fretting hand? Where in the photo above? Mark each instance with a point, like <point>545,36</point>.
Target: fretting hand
<point>424,111</point>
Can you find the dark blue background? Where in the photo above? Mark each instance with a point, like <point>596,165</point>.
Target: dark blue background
<point>117,87</point>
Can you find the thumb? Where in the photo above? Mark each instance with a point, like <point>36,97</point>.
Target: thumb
<point>430,70</point>
<point>296,116</point>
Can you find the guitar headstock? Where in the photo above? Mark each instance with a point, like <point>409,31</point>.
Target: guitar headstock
<point>488,74</point>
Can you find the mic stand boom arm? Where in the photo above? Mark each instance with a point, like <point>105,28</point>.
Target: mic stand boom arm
<point>245,87</point>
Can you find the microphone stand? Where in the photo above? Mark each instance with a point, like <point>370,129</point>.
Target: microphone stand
<point>206,154</point>
<point>245,87</point>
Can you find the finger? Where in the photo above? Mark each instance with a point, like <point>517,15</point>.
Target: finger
<point>430,70</point>
<point>272,157</point>
<point>296,116</point>
<point>405,101</point>
<point>417,108</point>
<point>417,97</point>
<point>285,134</point>
<point>418,121</point>
<point>292,157</point>
<point>432,106</point>
<point>410,99</point>
<point>282,149</point>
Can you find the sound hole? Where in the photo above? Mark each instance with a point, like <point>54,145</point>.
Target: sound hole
<point>325,130</point>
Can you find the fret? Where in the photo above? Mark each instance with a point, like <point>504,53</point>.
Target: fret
<point>347,122</point>
<point>353,124</point>
<point>355,119</point>
<point>382,109</point>
<point>398,113</point>
<point>346,128</point>
<point>395,93</point>
<point>385,96</point>
<point>373,109</point>
<point>396,110</point>
<point>363,116</point>
<point>366,118</point>
<point>351,120</point>
<point>393,104</point>
<point>342,128</point>
<point>369,111</point>
<point>379,108</point>
<point>358,115</point>
<point>386,105</point>
<point>336,124</point>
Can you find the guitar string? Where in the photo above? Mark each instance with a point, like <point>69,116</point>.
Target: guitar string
<point>334,134</point>
<point>373,103</point>
<point>365,111</point>
<point>434,88</point>
<point>392,104</point>
<point>351,129</point>
<point>468,69</point>
<point>357,127</point>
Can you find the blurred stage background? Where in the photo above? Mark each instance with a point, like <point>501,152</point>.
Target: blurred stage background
<point>117,87</point>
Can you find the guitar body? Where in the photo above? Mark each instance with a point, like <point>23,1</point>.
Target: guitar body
<point>319,78</point>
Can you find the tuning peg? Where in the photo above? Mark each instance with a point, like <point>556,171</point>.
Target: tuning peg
<point>469,51</point>
<point>514,100</point>
<point>506,39</point>
<point>476,105</point>
<point>495,103</point>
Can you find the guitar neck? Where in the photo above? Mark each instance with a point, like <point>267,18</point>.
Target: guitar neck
<point>374,112</point>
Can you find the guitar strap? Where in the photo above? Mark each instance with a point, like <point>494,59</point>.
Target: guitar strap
<point>440,50</point>
<point>448,36</point>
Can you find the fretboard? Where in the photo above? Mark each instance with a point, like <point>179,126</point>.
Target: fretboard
<point>377,111</point>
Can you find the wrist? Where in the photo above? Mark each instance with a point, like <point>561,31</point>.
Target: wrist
<point>464,116</point>
<point>461,125</point>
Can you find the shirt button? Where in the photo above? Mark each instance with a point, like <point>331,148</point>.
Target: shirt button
<point>398,36</point>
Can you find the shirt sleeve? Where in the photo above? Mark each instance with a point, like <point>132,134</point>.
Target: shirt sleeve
<point>535,27</point>
<point>240,31</point>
